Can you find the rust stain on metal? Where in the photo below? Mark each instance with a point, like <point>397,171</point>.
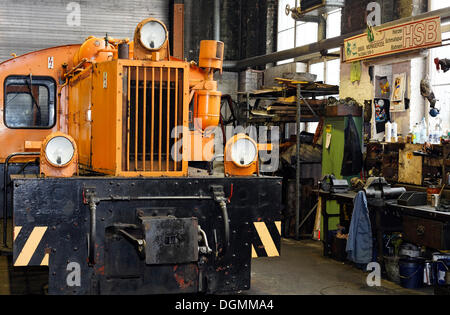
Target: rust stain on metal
<point>184,276</point>
<point>101,270</point>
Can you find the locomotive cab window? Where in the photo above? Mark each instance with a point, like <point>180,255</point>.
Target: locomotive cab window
<point>29,102</point>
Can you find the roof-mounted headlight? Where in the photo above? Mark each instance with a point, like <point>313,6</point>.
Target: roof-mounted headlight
<point>153,35</point>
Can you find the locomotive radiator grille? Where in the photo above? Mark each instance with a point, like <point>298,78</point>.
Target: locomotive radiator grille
<point>153,103</point>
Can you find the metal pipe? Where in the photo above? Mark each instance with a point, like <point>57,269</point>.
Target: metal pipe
<point>5,190</point>
<point>123,51</point>
<point>223,207</point>
<point>188,12</point>
<point>128,198</point>
<point>298,174</point>
<point>330,43</point>
<point>93,230</point>
<point>216,25</point>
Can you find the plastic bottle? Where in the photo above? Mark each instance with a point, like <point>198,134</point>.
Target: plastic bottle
<point>438,132</point>
<point>388,132</point>
<point>415,132</point>
<point>423,131</point>
<point>394,131</point>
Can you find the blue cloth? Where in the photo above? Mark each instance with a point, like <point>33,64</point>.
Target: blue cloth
<point>360,244</point>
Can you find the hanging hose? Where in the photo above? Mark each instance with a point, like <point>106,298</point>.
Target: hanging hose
<point>223,207</point>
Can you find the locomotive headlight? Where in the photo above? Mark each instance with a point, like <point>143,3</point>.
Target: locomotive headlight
<point>59,151</point>
<point>241,156</point>
<point>59,156</point>
<point>243,152</point>
<point>153,35</point>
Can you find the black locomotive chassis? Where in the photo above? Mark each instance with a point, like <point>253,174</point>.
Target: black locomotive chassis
<point>112,263</point>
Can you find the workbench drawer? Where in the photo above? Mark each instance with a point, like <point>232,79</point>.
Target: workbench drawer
<point>423,232</point>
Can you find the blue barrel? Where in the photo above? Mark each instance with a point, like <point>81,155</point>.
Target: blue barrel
<point>411,272</point>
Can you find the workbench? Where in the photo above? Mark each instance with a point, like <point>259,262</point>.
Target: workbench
<point>421,225</point>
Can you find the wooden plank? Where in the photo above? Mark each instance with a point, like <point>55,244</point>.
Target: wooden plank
<point>410,166</point>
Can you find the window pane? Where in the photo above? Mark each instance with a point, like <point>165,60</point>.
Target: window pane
<point>285,41</point>
<point>285,21</point>
<point>333,72</point>
<point>334,24</point>
<point>441,53</point>
<point>29,103</point>
<point>442,94</point>
<point>306,33</point>
<point>19,110</point>
<point>439,4</point>
<point>317,69</point>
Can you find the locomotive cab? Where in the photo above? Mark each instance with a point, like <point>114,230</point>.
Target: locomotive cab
<point>98,140</point>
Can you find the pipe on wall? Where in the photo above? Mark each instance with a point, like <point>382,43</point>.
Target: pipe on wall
<point>188,11</point>
<point>216,25</point>
<point>321,45</point>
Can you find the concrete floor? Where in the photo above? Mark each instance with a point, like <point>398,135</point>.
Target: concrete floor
<point>302,270</point>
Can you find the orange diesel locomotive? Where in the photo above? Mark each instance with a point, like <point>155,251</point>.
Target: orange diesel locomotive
<point>96,146</point>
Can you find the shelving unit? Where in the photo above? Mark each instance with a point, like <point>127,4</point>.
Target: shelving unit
<point>302,107</point>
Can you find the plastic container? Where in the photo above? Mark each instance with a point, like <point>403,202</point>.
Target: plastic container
<point>441,267</point>
<point>409,250</point>
<point>423,131</point>
<point>411,272</point>
<point>394,132</point>
<point>388,132</point>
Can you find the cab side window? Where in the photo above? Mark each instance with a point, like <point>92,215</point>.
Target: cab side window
<point>29,102</point>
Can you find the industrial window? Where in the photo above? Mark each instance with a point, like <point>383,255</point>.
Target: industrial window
<point>29,102</point>
<point>440,81</point>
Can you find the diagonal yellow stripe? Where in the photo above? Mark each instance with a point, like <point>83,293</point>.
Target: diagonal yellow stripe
<point>45,260</point>
<point>30,246</point>
<point>17,231</point>
<point>278,225</point>
<point>254,255</point>
<point>266,239</point>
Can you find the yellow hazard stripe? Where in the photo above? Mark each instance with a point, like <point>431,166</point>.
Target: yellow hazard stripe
<point>45,260</point>
<point>278,225</point>
<point>30,246</point>
<point>254,255</point>
<point>17,231</point>
<point>266,239</point>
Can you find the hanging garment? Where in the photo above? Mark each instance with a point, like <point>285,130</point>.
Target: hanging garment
<point>360,244</point>
<point>353,159</point>
<point>355,71</point>
<point>382,113</point>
